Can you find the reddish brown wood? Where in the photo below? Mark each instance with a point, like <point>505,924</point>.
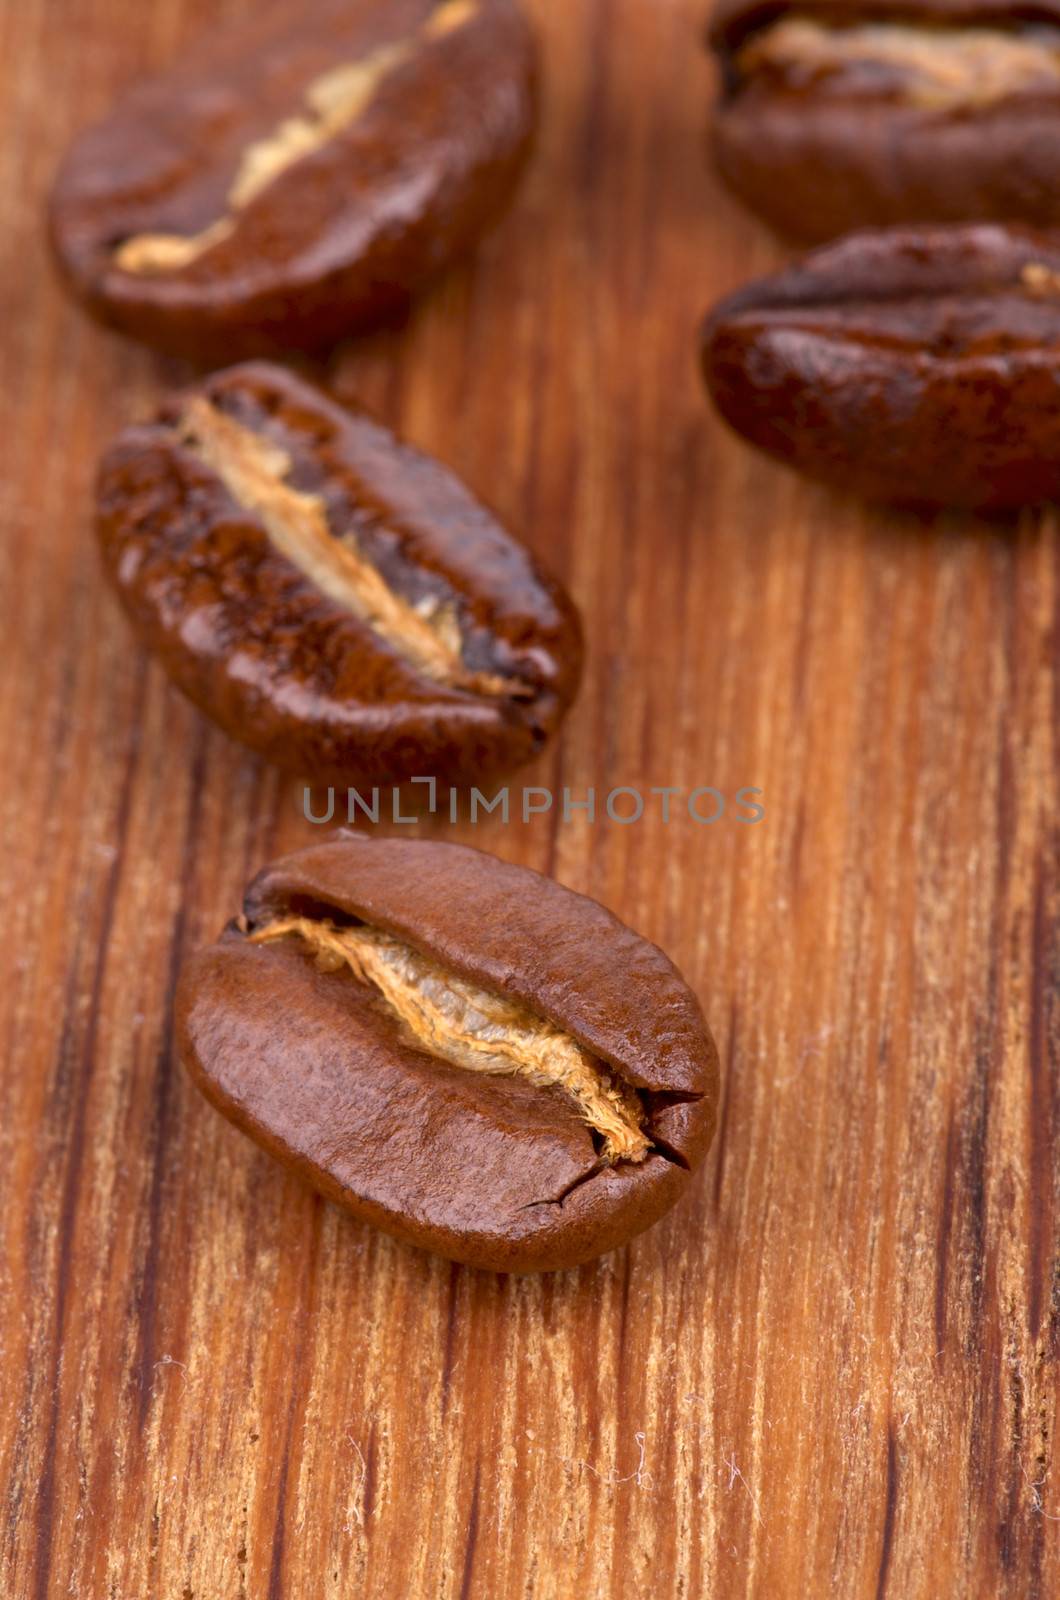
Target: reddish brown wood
<point>833,1372</point>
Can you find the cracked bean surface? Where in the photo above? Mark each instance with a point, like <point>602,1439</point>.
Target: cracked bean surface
<point>329,595</point>
<point>458,1050</point>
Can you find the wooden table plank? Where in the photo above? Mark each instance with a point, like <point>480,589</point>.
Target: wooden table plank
<point>833,1370</point>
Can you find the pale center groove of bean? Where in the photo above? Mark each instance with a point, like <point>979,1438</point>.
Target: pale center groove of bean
<point>332,102</point>
<point>471,1028</point>
<point>254,471</point>
<point>947,67</point>
<point>1040,279</point>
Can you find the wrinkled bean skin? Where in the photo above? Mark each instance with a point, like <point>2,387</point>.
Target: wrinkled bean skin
<point>283,666</point>
<point>917,366</point>
<point>340,238</point>
<point>492,1171</point>
<point>817,153</point>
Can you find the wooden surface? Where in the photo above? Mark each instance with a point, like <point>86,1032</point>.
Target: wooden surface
<point>833,1371</point>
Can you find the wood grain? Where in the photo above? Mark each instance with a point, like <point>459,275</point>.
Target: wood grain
<point>833,1371</point>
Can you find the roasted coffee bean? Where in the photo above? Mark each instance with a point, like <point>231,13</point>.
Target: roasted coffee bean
<point>462,1052</point>
<point>329,595</point>
<point>300,175</point>
<point>920,366</point>
<point>835,116</point>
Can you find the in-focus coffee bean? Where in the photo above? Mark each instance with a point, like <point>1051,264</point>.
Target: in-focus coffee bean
<point>920,366</point>
<point>835,116</point>
<point>299,175</point>
<point>332,597</point>
<point>460,1051</point>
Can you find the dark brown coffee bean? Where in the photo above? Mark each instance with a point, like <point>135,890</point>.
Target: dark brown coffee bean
<point>462,1052</point>
<point>920,366</point>
<point>834,116</point>
<point>329,595</point>
<point>298,176</point>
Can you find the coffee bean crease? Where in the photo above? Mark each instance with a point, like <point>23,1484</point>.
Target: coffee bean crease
<point>254,471</point>
<point>333,102</point>
<point>471,1028</point>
